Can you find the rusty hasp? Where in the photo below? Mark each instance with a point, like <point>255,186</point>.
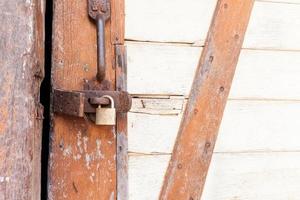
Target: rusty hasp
<point>78,103</point>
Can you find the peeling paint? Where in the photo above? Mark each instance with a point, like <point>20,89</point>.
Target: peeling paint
<point>4,179</point>
<point>77,157</point>
<point>88,160</point>
<point>79,142</point>
<point>67,151</point>
<point>85,143</point>
<point>112,196</point>
<point>99,154</point>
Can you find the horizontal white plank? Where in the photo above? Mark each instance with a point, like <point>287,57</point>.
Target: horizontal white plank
<point>261,176</point>
<point>162,106</point>
<point>169,69</point>
<point>247,126</point>
<point>282,1</point>
<point>272,25</point>
<point>168,20</point>
<point>161,69</point>
<point>145,176</point>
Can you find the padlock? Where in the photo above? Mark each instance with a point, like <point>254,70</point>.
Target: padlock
<point>106,116</point>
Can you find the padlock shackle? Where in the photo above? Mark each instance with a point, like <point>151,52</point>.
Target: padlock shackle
<point>112,102</point>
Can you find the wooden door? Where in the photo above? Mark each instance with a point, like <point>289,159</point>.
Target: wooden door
<point>83,160</point>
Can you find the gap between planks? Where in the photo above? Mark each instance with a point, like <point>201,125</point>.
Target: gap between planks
<point>185,97</point>
<point>198,44</point>
<point>136,154</point>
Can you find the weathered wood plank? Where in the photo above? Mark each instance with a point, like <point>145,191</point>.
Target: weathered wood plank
<point>146,175</point>
<point>272,25</point>
<point>122,134</point>
<point>153,106</point>
<point>160,68</point>
<point>169,69</point>
<point>282,1</point>
<point>198,131</point>
<point>161,22</point>
<point>21,115</point>
<point>118,32</point>
<point>247,126</point>
<point>245,176</point>
<point>82,155</point>
<point>118,21</point>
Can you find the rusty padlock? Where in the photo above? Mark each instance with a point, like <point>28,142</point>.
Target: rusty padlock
<point>106,116</point>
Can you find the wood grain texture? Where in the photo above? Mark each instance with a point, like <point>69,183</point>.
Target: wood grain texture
<point>244,176</point>
<point>282,1</point>
<point>118,32</point>
<point>263,117</point>
<point>82,156</point>
<point>272,25</point>
<point>247,126</point>
<point>21,115</point>
<point>168,20</point>
<point>169,69</point>
<point>198,131</point>
<point>163,58</point>
<point>118,21</point>
<point>122,133</point>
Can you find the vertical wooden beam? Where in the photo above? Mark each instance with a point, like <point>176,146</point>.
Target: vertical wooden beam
<point>195,142</point>
<point>21,115</point>
<point>118,32</point>
<point>122,139</point>
<point>82,156</point>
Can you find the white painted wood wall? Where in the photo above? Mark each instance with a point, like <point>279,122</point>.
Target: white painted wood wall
<point>257,156</point>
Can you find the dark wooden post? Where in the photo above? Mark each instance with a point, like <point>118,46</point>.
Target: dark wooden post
<point>21,72</point>
<point>198,132</point>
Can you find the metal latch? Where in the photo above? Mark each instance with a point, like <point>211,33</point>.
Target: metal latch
<point>85,102</point>
<point>79,103</point>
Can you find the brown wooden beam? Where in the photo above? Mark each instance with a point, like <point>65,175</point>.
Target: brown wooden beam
<point>21,115</point>
<point>118,32</point>
<point>122,136</point>
<point>198,132</point>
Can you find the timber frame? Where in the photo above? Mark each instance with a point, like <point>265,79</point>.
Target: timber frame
<point>192,153</point>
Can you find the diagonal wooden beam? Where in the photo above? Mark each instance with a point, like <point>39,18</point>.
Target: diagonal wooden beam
<point>198,132</point>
